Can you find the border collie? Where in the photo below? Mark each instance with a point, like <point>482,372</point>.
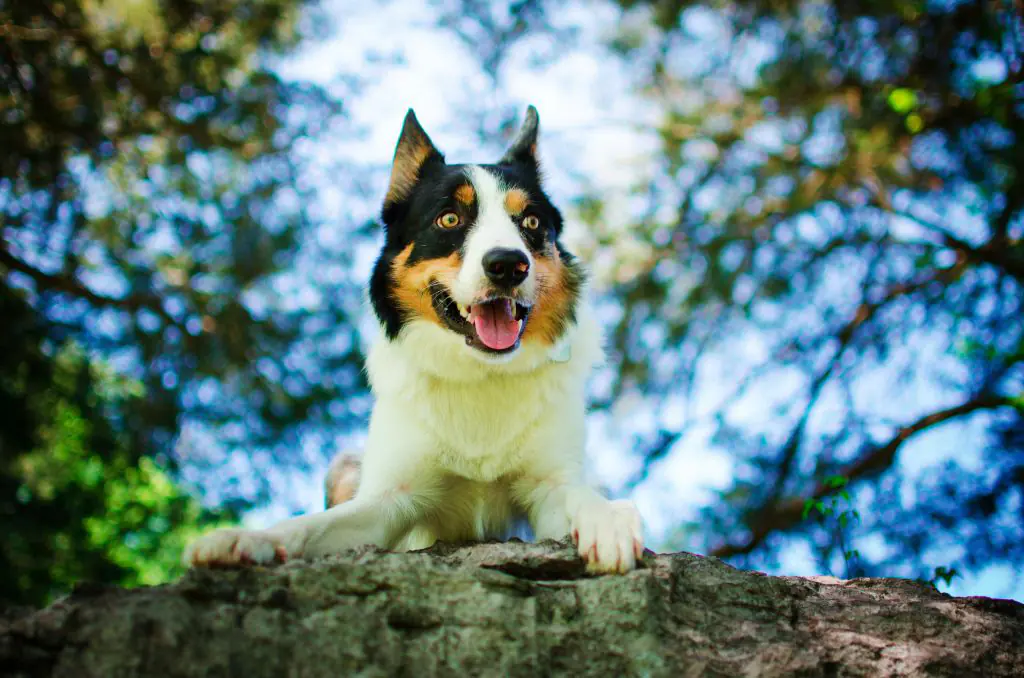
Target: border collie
<point>478,375</point>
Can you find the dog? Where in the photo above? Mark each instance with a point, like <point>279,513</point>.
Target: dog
<point>478,376</point>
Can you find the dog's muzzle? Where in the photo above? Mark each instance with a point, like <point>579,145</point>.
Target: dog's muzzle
<point>494,324</point>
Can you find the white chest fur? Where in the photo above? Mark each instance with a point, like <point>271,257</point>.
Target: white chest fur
<point>482,418</point>
<point>483,428</point>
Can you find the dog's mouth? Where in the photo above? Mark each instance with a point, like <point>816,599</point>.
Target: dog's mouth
<point>492,325</point>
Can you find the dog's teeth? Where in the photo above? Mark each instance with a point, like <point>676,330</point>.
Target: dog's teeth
<point>464,311</point>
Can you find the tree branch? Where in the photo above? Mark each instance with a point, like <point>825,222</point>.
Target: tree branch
<point>785,515</point>
<point>997,251</point>
<point>70,285</point>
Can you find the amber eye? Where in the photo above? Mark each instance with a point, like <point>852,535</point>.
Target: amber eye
<point>448,220</point>
<point>531,222</point>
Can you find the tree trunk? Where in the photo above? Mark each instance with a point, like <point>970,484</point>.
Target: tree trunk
<point>512,609</point>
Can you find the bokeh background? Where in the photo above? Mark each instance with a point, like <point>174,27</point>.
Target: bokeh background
<point>803,221</point>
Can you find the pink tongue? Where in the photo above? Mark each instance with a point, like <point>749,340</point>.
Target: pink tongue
<point>496,324</point>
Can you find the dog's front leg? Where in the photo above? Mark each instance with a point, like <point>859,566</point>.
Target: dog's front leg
<point>608,534</point>
<point>378,520</point>
<point>397,486</point>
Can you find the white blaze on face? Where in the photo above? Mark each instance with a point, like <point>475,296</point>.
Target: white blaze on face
<point>494,228</point>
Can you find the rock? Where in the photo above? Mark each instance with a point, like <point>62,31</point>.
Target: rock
<point>512,609</point>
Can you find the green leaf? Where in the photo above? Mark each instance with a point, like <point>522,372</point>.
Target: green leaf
<point>903,100</point>
<point>836,482</point>
<point>944,574</point>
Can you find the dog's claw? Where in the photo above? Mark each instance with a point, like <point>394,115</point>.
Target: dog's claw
<point>608,536</point>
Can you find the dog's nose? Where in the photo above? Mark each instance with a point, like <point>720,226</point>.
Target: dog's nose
<point>506,267</point>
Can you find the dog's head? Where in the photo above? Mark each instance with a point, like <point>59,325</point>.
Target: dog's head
<point>473,250</point>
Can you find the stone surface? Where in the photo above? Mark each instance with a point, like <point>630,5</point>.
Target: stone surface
<point>512,609</point>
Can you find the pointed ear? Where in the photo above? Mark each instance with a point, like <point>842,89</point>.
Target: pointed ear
<point>414,149</point>
<point>524,146</point>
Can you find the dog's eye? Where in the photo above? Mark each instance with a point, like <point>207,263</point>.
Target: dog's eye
<point>448,220</point>
<point>531,222</point>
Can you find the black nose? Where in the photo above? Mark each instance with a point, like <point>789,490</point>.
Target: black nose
<point>506,267</point>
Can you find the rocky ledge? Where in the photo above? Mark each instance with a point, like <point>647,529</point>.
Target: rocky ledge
<point>512,609</point>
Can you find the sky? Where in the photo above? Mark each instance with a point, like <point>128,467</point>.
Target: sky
<point>597,134</point>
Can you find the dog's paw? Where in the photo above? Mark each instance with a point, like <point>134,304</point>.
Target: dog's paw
<point>231,546</point>
<point>609,536</point>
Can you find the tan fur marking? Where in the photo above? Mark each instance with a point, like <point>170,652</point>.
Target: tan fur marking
<point>545,323</point>
<point>465,194</point>
<point>405,170</point>
<point>516,201</point>
<point>342,479</point>
<point>412,283</point>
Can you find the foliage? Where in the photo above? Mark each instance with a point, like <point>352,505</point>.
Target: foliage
<point>847,182</point>
<point>839,508</point>
<point>157,265</point>
<point>75,502</point>
<point>154,208</point>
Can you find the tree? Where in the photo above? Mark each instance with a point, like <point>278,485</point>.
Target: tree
<point>844,250</point>
<point>75,503</point>
<point>153,209</point>
<point>155,224</point>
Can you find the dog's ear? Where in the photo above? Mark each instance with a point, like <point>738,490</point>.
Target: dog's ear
<point>413,151</point>
<point>524,147</point>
